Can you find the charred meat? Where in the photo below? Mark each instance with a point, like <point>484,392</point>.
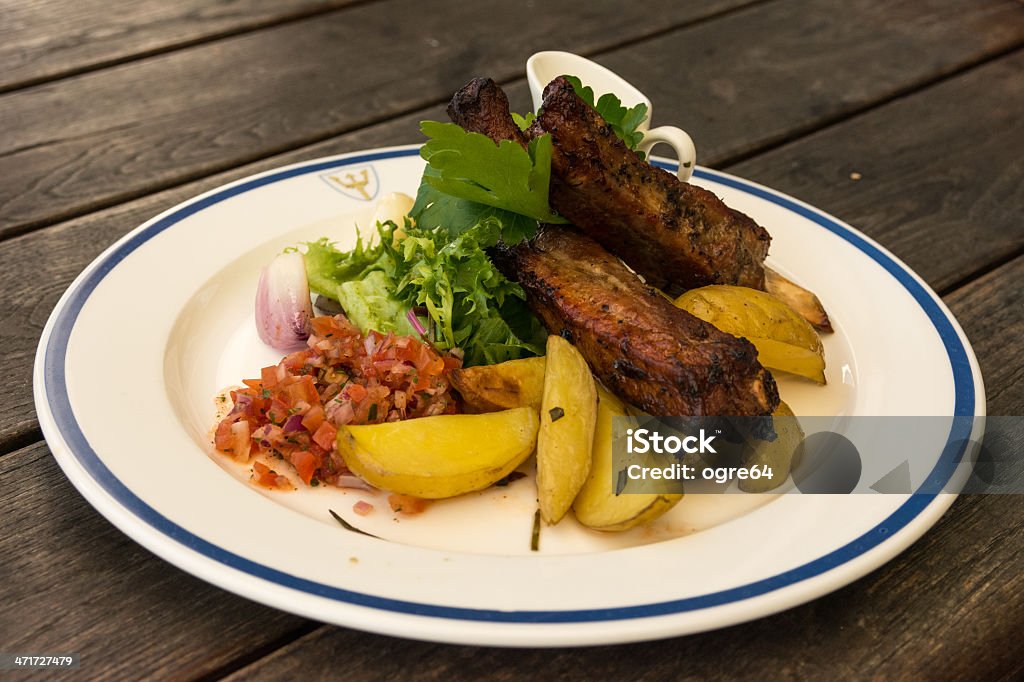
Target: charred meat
<point>678,236</point>
<point>646,350</point>
<point>482,107</point>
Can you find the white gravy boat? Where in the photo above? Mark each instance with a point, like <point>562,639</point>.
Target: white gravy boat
<point>543,67</point>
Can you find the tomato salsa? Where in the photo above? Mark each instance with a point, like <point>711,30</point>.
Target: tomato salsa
<point>292,412</point>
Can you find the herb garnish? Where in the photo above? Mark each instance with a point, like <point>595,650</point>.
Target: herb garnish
<point>348,526</point>
<point>535,536</point>
<point>556,414</point>
<point>471,166</point>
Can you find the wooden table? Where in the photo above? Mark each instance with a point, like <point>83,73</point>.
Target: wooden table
<point>905,119</point>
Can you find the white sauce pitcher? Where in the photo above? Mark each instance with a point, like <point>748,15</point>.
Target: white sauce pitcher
<point>543,67</point>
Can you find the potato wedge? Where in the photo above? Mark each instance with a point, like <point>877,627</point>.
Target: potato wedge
<point>489,388</point>
<point>785,341</point>
<point>597,506</point>
<point>776,456</point>
<point>801,300</point>
<point>442,456</point>
<point>568,414</point>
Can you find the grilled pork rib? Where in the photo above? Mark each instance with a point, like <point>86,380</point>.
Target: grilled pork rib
<point>678,236</point>
<point>654,355</point>
<point>482,107</point>
<point>699,233</point>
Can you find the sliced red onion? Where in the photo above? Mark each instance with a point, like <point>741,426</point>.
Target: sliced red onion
<point>353,481</point>
<point>415,322</point>
<point>340,413</point>
<point>243,404</point>
<point>283,306</point>
<point>293,424</point>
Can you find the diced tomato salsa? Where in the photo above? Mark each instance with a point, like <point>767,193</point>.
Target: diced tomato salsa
<point>293,411</point>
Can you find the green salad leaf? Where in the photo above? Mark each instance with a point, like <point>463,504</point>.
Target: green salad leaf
<point>624,122</point>
<point>523,121</point>
<point>361,280</point>
<point>469,303</point>
<point>436,210</point>
<point>471,166</point>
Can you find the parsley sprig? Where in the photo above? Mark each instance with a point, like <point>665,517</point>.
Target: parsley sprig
<point>471,166</point>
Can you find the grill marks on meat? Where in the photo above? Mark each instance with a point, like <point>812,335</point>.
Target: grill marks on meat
<point>652,354</point>
<point>678,236</point>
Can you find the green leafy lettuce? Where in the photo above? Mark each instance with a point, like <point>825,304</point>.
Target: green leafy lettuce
<point>473,195</point>
<point>469,304</point>
<point>360,281</point>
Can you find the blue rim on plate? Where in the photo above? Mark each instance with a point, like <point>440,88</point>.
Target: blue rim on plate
<point>64,418</point>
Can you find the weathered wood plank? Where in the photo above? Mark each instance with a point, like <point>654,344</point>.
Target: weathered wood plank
<point>768,74</point>
<point>39,266</point>
<point>917,199</point>
<point>103,137</point>
<point>45,39</point>
<point>71,582</point>
<point>957,590</point>
<point>991,310</point>
<point>941,177</point>
<point>950,607</point>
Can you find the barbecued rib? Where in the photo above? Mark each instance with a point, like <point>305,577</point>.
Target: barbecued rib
<point>678,236</point>
<point>482,107</point>
<point>646,350</point>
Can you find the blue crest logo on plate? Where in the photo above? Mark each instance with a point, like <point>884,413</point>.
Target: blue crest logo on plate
<point>358,182</point>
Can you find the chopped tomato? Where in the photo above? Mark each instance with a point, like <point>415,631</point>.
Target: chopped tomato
<point>407,504</point>
<point>313,418</point>
<point>305,465</point>
<point>292,412</point>
<point>269,478</point>
<point>325,436</point>
<point>355,392</point>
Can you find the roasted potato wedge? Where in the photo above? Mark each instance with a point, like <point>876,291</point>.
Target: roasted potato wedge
<point>776,456</point>
<point>597,506</point>
<point>785,341</point>
<point>489,388</point>
<point>568,414</point>
<point>801,300</point>
<point>442,456</point>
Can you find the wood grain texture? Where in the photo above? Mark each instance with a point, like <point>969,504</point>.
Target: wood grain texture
<point>768,74</point>
<point>39,266</point>
<point>932,169</point>
<point>914,200</point>
<point>104,137</point>
<point>959,584</point>
<point>45,39</point>
<point>991,310</point>
<point>948,608</point>
<point>951,607</point>
<point>69,581</point>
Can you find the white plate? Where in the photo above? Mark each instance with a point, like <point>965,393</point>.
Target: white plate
<point>144,338</point>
